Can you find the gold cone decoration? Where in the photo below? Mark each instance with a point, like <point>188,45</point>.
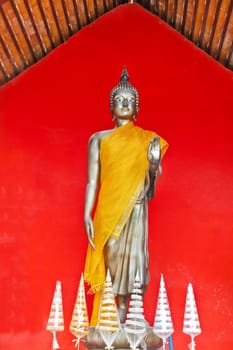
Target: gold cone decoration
<point>108,323</point>
<point>79,323</point>
<point>56,318</point>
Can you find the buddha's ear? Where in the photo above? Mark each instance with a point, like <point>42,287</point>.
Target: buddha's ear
<point>135,115</point>
<point>111,111</point>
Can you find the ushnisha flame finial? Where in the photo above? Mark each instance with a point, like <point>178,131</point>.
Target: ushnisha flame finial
<point>124,75</point>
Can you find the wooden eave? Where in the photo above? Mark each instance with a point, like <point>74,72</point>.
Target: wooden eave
<point>30,29</point>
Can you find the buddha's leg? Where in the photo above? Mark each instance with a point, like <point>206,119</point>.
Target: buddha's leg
<point>122,307</point>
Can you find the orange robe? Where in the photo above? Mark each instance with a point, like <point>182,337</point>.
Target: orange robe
<point>124,165</point>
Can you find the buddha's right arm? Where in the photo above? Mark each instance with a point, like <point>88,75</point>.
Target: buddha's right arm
<point>92,186</point>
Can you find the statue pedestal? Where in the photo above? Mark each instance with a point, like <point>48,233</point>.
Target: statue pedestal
<point>94,340</point>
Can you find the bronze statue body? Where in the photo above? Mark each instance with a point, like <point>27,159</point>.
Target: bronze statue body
<point>123,166</point>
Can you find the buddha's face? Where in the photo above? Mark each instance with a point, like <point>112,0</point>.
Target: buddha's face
<point>124,105</point>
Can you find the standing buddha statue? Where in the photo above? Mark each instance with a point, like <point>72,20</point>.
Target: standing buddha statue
<point>124,164</point>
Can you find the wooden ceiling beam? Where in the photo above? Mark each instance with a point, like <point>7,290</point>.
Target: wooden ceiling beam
<point>77,14</point>
<point>229,58</point>
<point>64,7</point>
<point>55,17</point>
<point>9,63</point>
<point>175,7</point>
<point>29,29</point>
<point>88,18</point>
<point>46,24</point>
<point>213,28</point>
<point>4,74</point>
<point>14,41</point>
<point>182,29</point>
<point>203,24</point>
<point>24,31</point>
<point>40,40</point>
<point>226,23</point>
<point>194,19</point>
<point>165,12</point>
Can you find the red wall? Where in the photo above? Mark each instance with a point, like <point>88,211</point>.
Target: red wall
<point>47,116</point>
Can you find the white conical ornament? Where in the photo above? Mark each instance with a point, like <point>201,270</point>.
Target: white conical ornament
<point>163,326</point>
<point>135,325</point>
<point>108,320</point>
<point>79,323</point>
<point>191,321</point>
<point>56,318</point>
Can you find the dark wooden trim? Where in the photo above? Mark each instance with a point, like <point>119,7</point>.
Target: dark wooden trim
<point>183,22</point>
<point>61,37</point>
<point>227,20</point>
<point>203,24</point>
<point>86,12</point>
<point>9,56</point>
<point>21,24</point>
<point>100,8</point>
<point>194,19</point>
<point>144,3</point>
<point>148,5</point>
<point>64,7</point>
<point>4,72</point>
<point>77,14</point>
<point>114,3</point>
<point>174,15</point>
<point>13,38</point>
<point>45,22</point>
<point>228,57</point>
<point>96,9</point>
<point>157,6</point>
<point>105,6</point>
<point>214,26</point>
<point>165,13</point>
<point>41,43</point>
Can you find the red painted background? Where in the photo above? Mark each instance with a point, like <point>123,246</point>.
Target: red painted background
<point>47,116</point>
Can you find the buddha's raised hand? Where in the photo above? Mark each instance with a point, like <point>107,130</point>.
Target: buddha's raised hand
<point>154,152</point>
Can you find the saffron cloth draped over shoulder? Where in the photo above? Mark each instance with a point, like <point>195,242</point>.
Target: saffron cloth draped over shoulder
<point>124,165</point>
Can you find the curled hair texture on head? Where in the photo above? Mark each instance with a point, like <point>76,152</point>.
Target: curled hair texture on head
<point>124,85</point>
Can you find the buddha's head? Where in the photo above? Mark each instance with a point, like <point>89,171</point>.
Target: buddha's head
<point>124,99</point>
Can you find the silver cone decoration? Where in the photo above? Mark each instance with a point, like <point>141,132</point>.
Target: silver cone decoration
<point>79,323</point>
<point>163,325</point>
<point>108,320</point>
<point>135,325</point>
<point>191,324</point>
<point>56,318</point>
